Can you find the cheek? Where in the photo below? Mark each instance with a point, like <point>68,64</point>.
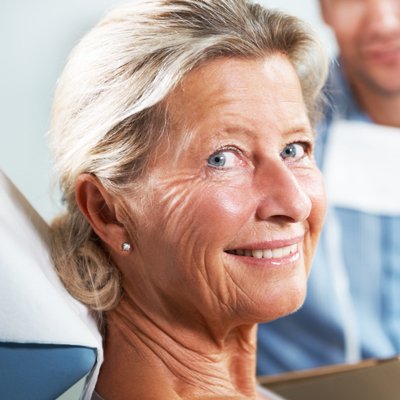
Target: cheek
<point>340,15</point>
<point>342,29</point>
<point>318,200</point>
<point>198,210</point>
<point>347,36</point>
<point>228,207</point>
<point>313,184</point>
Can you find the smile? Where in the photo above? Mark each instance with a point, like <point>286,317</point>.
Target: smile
<point>383,54</point>
<point>266,253</point>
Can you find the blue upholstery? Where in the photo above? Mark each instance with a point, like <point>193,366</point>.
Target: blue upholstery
<point>48,340</point>
<point>41,372</point>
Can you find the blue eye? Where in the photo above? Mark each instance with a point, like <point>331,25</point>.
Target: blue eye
<point>217,159</point>
<point>294,150</point>
<point>225,159</point>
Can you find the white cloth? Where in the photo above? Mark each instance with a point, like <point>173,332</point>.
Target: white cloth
<point>260,390</point>
<point>34,305</point>
<point>268,394</point>
<point>361,167</point>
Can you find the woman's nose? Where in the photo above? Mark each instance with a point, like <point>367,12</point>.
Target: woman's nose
<point>282,195</point>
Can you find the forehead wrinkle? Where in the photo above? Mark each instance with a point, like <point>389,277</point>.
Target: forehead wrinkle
<point>223,101</point>
<point>223,90</point>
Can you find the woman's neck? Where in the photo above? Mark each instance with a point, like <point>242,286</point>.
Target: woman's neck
<point>148,357</point>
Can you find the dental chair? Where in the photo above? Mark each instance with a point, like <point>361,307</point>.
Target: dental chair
<point>48,340</point>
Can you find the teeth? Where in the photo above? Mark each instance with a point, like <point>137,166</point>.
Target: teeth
<point>286,251</point>
<point>257,253</point>
<point>267,253</point>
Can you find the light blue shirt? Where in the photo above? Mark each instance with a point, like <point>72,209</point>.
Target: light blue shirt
<point>352,309</point>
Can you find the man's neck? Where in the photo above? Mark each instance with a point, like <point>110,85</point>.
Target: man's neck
<point>143,356</point>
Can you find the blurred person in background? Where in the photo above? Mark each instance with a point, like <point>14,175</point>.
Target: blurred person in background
<point>352,309</point>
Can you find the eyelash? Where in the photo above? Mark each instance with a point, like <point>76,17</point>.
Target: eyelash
<point>306,145</point>
<point>229,148</point>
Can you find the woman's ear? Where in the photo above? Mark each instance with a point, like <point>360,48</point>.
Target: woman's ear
<point>101,210</point>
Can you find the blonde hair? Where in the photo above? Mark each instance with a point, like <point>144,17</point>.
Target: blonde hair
<point>109,113</point>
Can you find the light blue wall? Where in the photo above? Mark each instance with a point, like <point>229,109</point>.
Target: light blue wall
<point>35,38</point>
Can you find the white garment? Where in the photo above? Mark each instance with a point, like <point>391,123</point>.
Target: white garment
<point>262,390</point>
<point>361,165</point>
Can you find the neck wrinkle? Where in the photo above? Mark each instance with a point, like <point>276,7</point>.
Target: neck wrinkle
<point>195,363</point>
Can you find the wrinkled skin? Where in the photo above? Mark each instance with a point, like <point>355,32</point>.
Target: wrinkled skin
<point>197,211</point>
<point>236,173</point>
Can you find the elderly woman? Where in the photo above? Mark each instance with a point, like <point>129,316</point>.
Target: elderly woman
<point>183,135</point>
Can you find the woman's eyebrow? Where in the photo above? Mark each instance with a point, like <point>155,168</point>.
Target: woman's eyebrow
<point>301,128</point>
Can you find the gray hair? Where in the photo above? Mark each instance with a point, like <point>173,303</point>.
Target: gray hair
<point>109,110</point>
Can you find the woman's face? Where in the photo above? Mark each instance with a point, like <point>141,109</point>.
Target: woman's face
<point>234,202</point>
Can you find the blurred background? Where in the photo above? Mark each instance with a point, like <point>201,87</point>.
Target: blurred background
<point>36,38</point>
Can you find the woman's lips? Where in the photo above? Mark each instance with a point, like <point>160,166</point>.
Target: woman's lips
<point>268,253</point>
<point>271,251</point>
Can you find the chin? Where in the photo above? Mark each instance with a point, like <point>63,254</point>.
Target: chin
<point>279,305</point>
